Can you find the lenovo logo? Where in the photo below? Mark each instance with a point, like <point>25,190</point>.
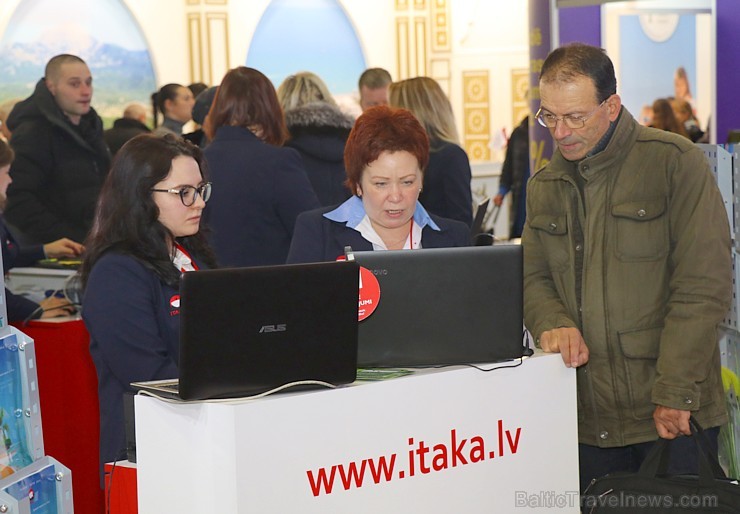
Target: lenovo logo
<point>281,327</point>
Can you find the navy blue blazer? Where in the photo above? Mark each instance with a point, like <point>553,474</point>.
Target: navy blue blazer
<point>134,325</point>
<point>19,307</point>
<point>258,191</point>
<point>447,183</point>
<point>318,239</point>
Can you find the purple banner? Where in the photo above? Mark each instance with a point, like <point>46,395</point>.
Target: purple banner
<point>540,141</point>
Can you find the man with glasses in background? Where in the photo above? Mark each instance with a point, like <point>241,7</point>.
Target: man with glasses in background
<point>627,270</point>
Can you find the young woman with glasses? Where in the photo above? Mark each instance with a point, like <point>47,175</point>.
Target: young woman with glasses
<point>146,233</point>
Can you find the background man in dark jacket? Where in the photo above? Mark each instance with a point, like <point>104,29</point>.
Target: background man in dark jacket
<point>514,177</point>
<point>132,124</point>
<point>61,157</point>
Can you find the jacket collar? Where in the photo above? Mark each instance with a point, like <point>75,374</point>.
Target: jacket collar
<point>317,114</point>
<point>41,104</point>
<point>228,132</point>
<point>352,211</point>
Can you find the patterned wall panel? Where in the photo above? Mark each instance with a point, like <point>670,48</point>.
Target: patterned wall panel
<point>217,36</point>
<point>440,16</point>
<point>519,99</point>
<point>208,34</point>
<point>403,67</point>
<point>441,71</point>
<point>422,38</point>
<point>476,113</point>
<point>195,40</point>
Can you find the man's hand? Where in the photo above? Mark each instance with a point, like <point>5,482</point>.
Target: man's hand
<point>63,248</point>
<point>568,342</point>
<point>498,200</point>
<point>671,423</point>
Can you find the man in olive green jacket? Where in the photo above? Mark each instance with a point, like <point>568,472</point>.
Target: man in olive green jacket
<point>627,268</point>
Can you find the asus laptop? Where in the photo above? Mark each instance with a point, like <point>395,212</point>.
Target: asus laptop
<point>245,331</point>
<point>442,306</point>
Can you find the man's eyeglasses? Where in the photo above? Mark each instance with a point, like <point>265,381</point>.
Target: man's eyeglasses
<point>549,120</point>
<point>189,194</point>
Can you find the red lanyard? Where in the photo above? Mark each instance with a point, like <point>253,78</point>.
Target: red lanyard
<point>186,254</point>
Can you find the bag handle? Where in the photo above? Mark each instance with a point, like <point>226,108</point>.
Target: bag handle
<point>656,462</point>
<point>703,447</point>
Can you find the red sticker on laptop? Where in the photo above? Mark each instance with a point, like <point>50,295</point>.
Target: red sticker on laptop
<point>369,294</point>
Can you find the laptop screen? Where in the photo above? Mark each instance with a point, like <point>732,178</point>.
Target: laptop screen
<point>441,306</point>
<point>245,331</point>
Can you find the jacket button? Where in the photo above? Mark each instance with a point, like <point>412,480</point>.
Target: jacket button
<point>688,401</point>
<point>604,435</point>
<point>641,213</point>
<point>553,226</point>
<point>579,248</point>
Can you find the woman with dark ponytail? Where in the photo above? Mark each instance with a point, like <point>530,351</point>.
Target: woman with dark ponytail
<point>175,103</point>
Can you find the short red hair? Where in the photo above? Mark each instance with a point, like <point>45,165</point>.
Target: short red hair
<point>383,129</point>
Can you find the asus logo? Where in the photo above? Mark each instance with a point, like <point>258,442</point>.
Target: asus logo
<point>281,327</point>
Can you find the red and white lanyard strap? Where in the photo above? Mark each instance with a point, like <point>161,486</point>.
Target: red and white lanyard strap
<point>182,259</point>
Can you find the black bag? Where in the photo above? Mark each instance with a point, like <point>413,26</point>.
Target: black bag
<point>651,490</point>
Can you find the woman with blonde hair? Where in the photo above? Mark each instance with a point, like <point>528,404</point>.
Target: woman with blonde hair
<point>447,178</point>
<point>319,131</point>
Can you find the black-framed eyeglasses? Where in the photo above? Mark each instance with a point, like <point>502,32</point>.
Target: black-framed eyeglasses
<point>549,120</point>
<point>189,194</point>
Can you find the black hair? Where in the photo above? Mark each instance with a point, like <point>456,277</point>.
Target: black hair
<point>577,59</point>
<point>166,92</point>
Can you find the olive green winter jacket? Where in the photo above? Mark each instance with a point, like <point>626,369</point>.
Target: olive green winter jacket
<point>652,239</point>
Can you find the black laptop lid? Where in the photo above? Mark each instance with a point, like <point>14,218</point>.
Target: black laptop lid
<point>443,306</point>
<point>245,331</point>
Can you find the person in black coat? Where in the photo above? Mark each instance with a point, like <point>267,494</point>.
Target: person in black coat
<point>20,308</point>
<point>385,158</point>
<point>61,157</point>
<point>447,177</point>
<point>318,130</point>
<point>132,124</point>
<point>514,177</point>
<point>259,186</point>
<point>131,271</point>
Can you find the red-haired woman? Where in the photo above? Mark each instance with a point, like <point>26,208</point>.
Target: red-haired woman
<point>385,157</point>
<point>261,186</point>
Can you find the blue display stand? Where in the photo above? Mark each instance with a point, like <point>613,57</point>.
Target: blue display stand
<point>44,487</point>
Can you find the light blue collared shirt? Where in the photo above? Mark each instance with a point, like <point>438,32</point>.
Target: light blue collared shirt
<point>352,211</point>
